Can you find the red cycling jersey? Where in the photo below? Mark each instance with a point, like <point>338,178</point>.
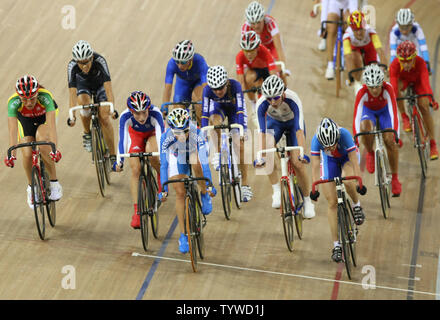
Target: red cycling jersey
<point>263,60</point>
<point>270,29</point>
<point>418,75</point>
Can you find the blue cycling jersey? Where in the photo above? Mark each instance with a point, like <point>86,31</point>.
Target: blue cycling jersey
<point>345,145</point>
<point>232,104</point>
<point>416,36</point>
<point>174,152</point>
<point>197,70</point>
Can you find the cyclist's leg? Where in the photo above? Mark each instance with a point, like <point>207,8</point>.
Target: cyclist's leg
<point>27,129</point>
<point>197,94</point>
<point>350,186</point>
<point>152,146</point>
<point>42,134</point>
<point>104,119</point>
<point>354,61</point>
<point>85,97</point>
<point>332,29</point>
<point>182,92</point>
<point>204,195</point>
<point>423,103</point>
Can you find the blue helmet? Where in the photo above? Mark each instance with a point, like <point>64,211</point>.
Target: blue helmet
<point>138,101</point>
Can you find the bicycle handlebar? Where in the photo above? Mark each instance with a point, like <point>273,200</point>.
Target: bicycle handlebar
<point>359,179</point>
<point>253,89</point>
<point>225,126</point>
<point>140,154</point>
<point>32,144</point>
<point>184,103</point>
<point>281,149</point>
<point>377,132</point>
<point>189,179</point>
<point>350,77</point>
<point>415,96</point>
<point>92,105</point>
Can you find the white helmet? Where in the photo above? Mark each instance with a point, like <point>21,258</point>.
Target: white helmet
<point>250,40</point>
<point>404,17</point>
<point>82,51</point>
<point>373,75</point>
<point>273,86</point>
<point>216,77</point>
<point>327,133</point>
<point>254,12</point>
<point>183,51</point>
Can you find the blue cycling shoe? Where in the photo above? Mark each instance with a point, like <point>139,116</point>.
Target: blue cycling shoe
<point>206,203</point>
<point>183,243</point>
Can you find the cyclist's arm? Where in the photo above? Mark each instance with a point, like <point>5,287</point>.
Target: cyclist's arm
<point>13,133</point>
<point>157,121</point>
<point>73,99</point>
<point>392,107</point>
<point>279,47</point>
<point>109,91</point>
<point>346,43</point>
<point>424,79</point>
<point>202,152</point>
<point>240,78</point>
<point>50,121</point>
<point>422,44</point>
<point>353,158</point>
<point>206,103</point>
<point>393,45</point>
<point>163,163</point>
<point>241,107</point>
<point>169,77</point>
<point>167,92</point>
<point>315,161</point>
<point>269,60</point>
<point>361,96</point>
<point>124,136</point>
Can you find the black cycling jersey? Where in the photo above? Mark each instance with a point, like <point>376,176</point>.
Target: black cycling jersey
<point>98,74</point>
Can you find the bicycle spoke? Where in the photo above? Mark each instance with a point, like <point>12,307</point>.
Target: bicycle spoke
<point>142,210</point>
<point>38,201</point>
<point>287,216</point>
<point>98,156</point>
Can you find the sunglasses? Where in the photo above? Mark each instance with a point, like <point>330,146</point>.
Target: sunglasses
<point>407,59</point>
<point>180,132</point>
<point>273,98</point>
<point>181,62</point>
<point>84,61</point>
<point>219,88</point>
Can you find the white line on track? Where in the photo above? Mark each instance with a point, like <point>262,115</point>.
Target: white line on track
<point>412,265</point>
<point>135,254</point>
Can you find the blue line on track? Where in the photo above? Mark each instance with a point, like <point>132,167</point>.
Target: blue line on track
<point>272,3</point>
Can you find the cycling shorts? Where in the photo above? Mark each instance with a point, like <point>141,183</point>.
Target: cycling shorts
<point>139,139</point>
<point>383,114</point>
<point>183,89</point>
<point>279,128</point>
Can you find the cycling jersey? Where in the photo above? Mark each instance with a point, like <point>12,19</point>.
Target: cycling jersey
<point>187,80</point>
<point>173,154</point>
<point>367,45</point>
<point>366,107</point>
<point>133,135</point>
<point>263,59</point>
<point>270,29</point>
<point>288,116</point>
<point>232,105</point>
<point>416,36</point>
<point>418,75</point>
<point>93,80</point>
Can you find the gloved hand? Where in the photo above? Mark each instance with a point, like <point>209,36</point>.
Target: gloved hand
<point>117,167</point>
<point>435,105</point>
<point>306,159</point>
<point>212,191</point>
<point>362,191</point>
<point>314,195</point>
<point>163,196</point>
<point>164,108</point>
<point>55,156</point>
<point>259,163</point>
<point>9,162</point>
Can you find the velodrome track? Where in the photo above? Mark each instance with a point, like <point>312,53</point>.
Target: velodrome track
<point>246,258</point>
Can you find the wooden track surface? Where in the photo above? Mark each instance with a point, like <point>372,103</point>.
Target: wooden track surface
<point>246,257</point>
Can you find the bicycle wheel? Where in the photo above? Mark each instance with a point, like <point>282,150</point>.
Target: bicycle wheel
<point>343,239</point>
<point>152,201</point>
<point>225,186</point>
<point>98,156</point>
<point>338,67</point>
<point>200,222</point>
<point>287,216</point>
<point>107,163</point>
<point>236,181</point>
<point>50,205</point>
<point>299,208</point>
<point>190,230</point>
<point>352,231</point>
<point>37,199</point>
<point>420,146</point>
<point>383,187</point>
<point>142,206</point>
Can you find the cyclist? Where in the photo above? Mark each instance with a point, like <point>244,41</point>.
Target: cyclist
<point>411,69</point>
<point>407,29</point>
<point>138,123</point>
<point>190,69</point>
<point>334,153</point>
<point>31,114</point>
<point>254,64</point>
<point>222,98</point>
<point>362,46</point>
<point>88,76</point>
<point>180,141</point>
<point>267,29</point>
<point>331,10</point>
<point>377,98</point>
<point>280,109</point>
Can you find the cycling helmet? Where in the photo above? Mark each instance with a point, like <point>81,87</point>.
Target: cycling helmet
<point>178,119</point>
<point>216,77</point>
<point>356,20</point>
<point>273,86</point>
<point>373,75</point>
<point>406,50</point>
<point>254,12</point>
<point>138,101</point>
<point>404,17</point>
<point>327,133</point>
<point>183,51</point>
<point>27,86</point>
<point>250,40</point>
<point>82,51</point>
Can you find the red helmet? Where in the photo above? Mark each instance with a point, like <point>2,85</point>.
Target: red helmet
<point>406,50</point>
<point>357,20</point>
<point>27,87</point>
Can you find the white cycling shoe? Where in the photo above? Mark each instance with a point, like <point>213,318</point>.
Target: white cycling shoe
<point>246,193</point>
<point>322,44</point>
<point>29,197</point>
<point>276,199</point>
<point>56,191</point>
<point>309,208</point>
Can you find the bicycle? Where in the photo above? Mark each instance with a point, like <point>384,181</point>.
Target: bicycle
<point>292,200</point>
<point>338,57</point>
<point>148,203</point>
<point>195,221</point>
<point>420,134</point>
<point>382,174</point>
<point>230,176</point>
<point>100,151</point>
<point>347,229</point>
<point>188,105</point>
<point>40,185</point>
